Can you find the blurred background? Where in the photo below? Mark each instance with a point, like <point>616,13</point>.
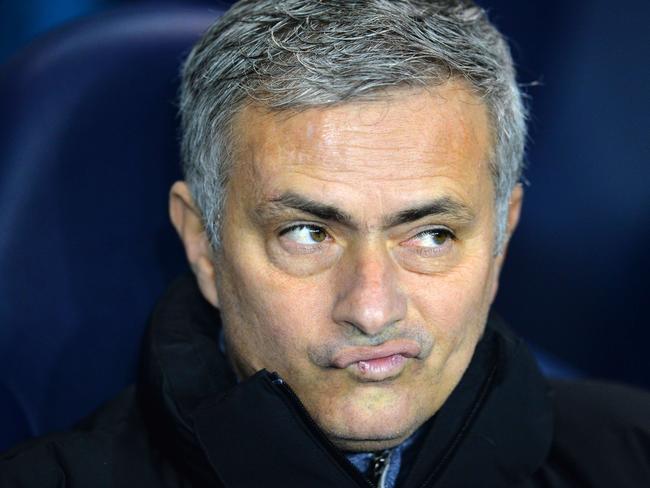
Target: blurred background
<point>575,283</point>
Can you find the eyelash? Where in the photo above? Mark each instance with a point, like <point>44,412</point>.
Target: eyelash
<point>437,230</point>
<point>301,226</point>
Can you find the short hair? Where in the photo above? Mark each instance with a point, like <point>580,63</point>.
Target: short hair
<point>291,55</point>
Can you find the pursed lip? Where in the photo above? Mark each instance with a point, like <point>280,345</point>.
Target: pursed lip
<point>348,356</point>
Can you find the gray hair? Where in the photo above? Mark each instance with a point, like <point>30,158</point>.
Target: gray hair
<point>297,54</point>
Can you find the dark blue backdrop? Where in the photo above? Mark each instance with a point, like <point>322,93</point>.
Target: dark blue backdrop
<point>575,281</point>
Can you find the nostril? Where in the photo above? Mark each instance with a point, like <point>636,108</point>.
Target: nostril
<point>370,299</point>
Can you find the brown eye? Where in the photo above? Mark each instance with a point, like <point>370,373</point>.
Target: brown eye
<point>318,235</point>
<point>439,237</point>
<point>305,235</point>
<point>432,238</point>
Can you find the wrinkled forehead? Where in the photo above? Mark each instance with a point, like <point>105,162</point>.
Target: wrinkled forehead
<point>407,140</point>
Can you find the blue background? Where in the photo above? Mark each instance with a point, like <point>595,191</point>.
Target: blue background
<point>576,280</point>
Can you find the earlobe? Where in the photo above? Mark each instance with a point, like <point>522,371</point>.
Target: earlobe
<point>187,221</point>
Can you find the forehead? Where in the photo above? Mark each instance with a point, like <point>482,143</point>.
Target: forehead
<point>413,141</point>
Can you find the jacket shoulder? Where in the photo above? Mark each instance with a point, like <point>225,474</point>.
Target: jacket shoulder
<point>91,454</point>
<point>59,460</point>
<point>619,406</point>
<point>602,434</point>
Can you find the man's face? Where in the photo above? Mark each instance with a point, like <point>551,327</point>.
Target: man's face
<point>357,256</point>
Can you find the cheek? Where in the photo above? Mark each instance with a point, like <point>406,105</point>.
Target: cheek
<point>455,306</point>
<point>270,317</point>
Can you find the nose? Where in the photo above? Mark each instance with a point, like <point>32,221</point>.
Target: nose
<point>369,298</point>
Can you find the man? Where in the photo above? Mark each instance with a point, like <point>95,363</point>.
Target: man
<point>351,186</point>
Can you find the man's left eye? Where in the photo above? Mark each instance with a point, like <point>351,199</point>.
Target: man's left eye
<point>305,235</point>
<point>432,238</point>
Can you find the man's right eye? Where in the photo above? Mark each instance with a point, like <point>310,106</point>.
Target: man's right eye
<point>305,234</point>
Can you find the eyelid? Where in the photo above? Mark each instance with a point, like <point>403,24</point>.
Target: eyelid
<point>298,225</point>
<point>435,228</point>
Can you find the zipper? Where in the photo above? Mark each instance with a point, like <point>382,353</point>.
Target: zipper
<point>434,475</point>
<point>302,412</point>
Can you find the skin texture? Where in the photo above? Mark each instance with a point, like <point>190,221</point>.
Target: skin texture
<point>324,258</point>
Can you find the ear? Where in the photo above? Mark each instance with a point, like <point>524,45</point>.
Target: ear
<point>514,211</point>
<point>186,218</point>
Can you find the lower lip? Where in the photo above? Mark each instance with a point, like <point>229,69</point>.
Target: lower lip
<point>381,368</point>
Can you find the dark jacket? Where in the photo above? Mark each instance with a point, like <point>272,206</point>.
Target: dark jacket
<point>188,424</point>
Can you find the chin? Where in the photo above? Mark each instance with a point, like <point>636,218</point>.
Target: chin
<point>365,425</point>
<point>361,440</point>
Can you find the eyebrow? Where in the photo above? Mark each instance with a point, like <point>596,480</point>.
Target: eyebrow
<point>442,207</point>
<point>297,202</point>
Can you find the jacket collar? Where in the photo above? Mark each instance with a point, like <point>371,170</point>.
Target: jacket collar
<point>496,427</point>
<point>498,420</point>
